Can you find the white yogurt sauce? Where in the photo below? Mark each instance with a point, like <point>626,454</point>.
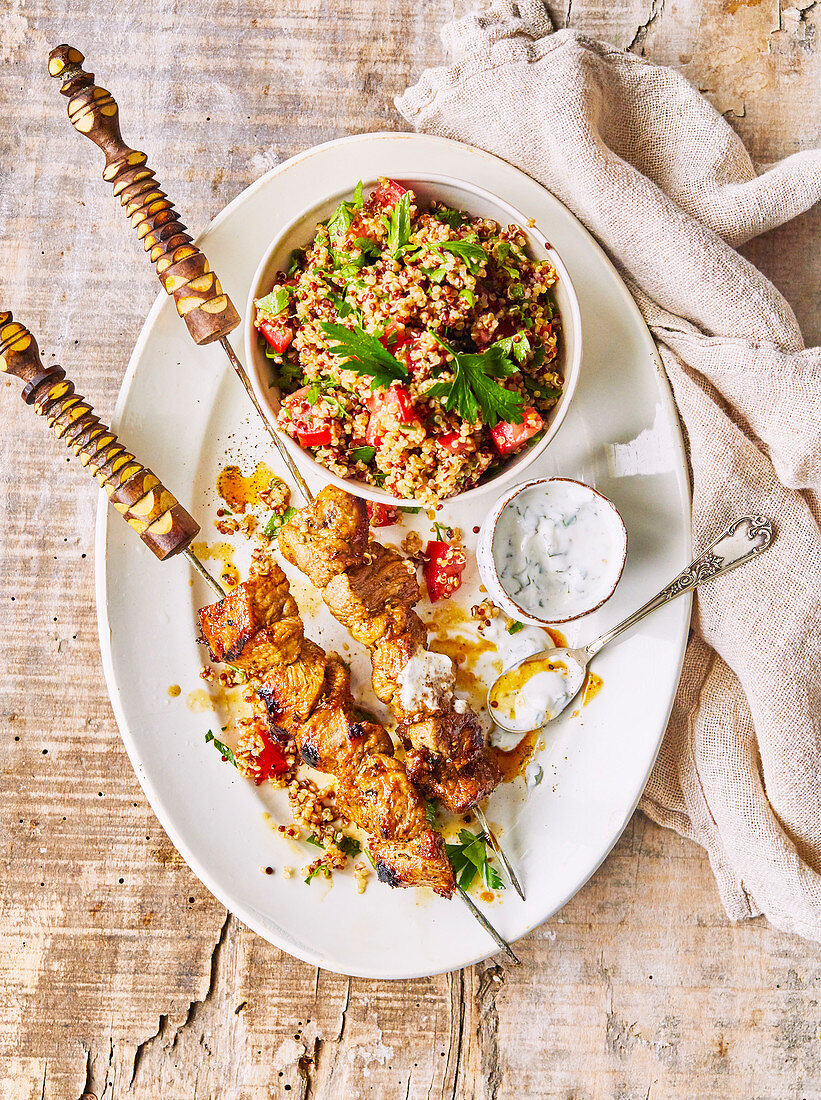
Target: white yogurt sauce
<point>426,680</point>
<point>558,549</point>
<point>530,695</point>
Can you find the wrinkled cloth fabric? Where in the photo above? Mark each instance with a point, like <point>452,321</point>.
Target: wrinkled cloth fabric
<point>667,188</point>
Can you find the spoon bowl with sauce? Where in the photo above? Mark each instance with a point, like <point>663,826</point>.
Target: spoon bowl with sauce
<point>539,688</point>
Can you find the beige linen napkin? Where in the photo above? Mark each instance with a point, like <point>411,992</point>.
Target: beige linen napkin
<point>668,189</point>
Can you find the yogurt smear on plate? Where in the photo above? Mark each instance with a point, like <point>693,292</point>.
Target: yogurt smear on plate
<point>536,691</point>
<point>558,549</point>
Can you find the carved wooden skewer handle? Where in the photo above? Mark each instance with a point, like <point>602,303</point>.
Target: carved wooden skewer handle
<point>137,494</point>
<point>182,269</point>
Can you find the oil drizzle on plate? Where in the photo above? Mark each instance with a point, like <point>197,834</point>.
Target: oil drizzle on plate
<point>239,491</point>
<point>222,552</point>
<point>512,762</point>
<point>592,687</point>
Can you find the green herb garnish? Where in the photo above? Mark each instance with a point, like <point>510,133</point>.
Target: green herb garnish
<point>275,302</point>
<point>470,251</point>
<point>322,869</point>
<point>399,227</point>
<point>430,813</point>
<point>514,628</point>
<point>348,844</point>
<point>314,839</point>
<point>363,454</point>
<point>470,856</point>
<point>474,386</point>
<point>468,295</point>
<point>226,753</point>
<point>364,354</point>
<point>342,218</point>
<point>277,522</point>
<point>410,511</point>
<point>453,218</point>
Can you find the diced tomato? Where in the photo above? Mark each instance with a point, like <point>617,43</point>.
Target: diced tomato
<point>383,405</point>
<point>509,437</point>
<point>386,195</point>
<point>277,334</point>
<point>311,430</point>
<point>382,515</point>
<point>271,761</point>
<point>395,336</point>
<point>455,443</point>
<point>444,565</point>
<point>317,437</point>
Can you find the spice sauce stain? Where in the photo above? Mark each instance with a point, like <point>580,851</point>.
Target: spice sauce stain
<point>222,552</point>
<point>512,762</point>
<point>239,491</point>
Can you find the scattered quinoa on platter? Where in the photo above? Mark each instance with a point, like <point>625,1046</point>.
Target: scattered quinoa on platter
<point>414,349</point>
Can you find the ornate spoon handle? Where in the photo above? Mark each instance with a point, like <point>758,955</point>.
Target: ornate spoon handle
<point>742,541</point>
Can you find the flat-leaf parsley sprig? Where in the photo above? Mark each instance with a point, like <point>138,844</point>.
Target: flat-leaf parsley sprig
<point>363,353</point>
<point>469,857</point>
<point>475,386</point>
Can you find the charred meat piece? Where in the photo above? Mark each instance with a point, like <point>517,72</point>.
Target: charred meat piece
<point>290,692</point>
<point>327,537</point>
<point>362,597</point>
<point>417,862</point>
<point>257,624</point>
<point>447,761</point>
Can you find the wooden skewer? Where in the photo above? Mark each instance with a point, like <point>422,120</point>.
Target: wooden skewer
<point>136,493</point>
<point>182,268</point>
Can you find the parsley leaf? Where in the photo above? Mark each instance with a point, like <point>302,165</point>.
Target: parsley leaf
<point>363,353</point>
<point>348,844</point>
<point>363,454</point>
<point>322,869</point>
<point>277,522</point>
<point>470,251</point>
<point>399,227</point>
<point>468,295</point>
<point>469,857</point>
<point>222,749</point>
<point>453,218</point>
<point>474,386</point>
<point>312,838</point>
<point>275,302</point>
<point>514,628</point>
<point>430,813</point>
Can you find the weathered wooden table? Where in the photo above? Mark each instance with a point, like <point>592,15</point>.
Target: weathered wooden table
<point>121,975</point>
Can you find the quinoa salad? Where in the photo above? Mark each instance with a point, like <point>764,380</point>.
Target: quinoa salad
<point>414,350</point>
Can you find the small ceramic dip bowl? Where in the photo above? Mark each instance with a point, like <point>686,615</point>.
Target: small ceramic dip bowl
<point>552,550</point>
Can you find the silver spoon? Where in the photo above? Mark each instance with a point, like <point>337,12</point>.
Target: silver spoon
<point>742,540</point>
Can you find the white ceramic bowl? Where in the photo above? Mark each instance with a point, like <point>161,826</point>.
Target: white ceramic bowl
<point>463,196</point>
<point>613,525</point>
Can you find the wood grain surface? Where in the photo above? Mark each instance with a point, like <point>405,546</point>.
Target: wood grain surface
<point>120,975</point>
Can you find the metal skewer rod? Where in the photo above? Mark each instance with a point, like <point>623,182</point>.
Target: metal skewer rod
<point>135,491</point>
<point>206,576</point>
<point>293,469</point>
<point>499,850</point>
<point>488,927</point>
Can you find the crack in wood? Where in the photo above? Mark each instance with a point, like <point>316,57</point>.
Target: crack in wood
<point>487,1029</point>
<point>639,38</point>
<point>456,982</point>
<point>164,1028</point>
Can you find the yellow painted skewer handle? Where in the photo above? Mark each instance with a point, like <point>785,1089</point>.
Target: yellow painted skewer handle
<point>137,494</point>
<point>182,269</point>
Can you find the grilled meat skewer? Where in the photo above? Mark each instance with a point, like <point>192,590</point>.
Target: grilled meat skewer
<point>307,693</point>
<point>371,589</point>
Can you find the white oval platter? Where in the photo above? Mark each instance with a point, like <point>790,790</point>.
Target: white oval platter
<point>184,413</point>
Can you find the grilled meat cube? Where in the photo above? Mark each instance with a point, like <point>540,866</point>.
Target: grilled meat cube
<point>418,862</point>
<point>457,788</point>
<point>361,598</point>
<point>405,637</point>
<point>256,625</point>
<point>327,537</point>
<point>290,692</point>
